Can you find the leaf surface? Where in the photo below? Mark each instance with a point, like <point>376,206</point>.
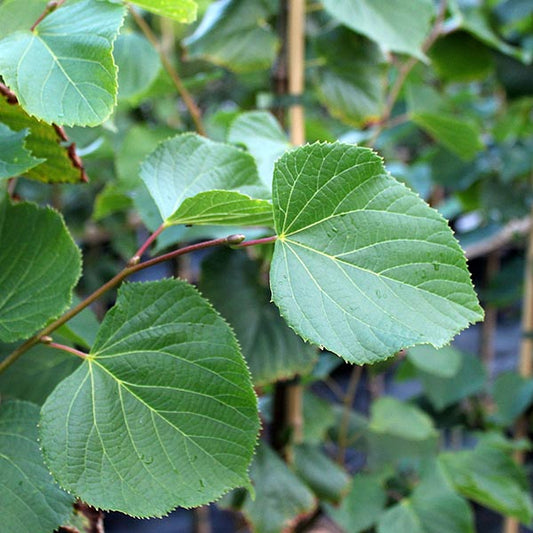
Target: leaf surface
<point>30,500</point>
<point>39,267</point>
<point>234,34</point>
<point>162,412</point>
<point>180,10</point>
<point>63,72</point>
<point>15,158</point>
<point>262,135</point>
<point>184,166</point>
<point>362,266</point>
<point>396,25</point>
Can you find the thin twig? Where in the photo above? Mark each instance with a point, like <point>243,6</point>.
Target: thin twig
<point>193,109</point>
<point>64,348</point>
<point>51,6</point>
<point>113,282</point>
<point>255,242</point>
<point>404,71</point>
<point>138,254</point>
<point>349,398</point>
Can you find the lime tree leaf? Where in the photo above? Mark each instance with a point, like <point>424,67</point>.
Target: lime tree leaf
<point>15,158</point>
<point>186,165</point>
<point>362,265</point>
<point>229,208</point>
<point>16,15</point>
<point>350,84</point>
<point>489,476</point>
<point>44,143</point>
<point>323,476</point>
<point>264,138</point>
<point>432,507</point>
<point>34,376</point>
<point>138,65</point>
<point>363,505</point>
<point>444,362</point>
<point>234,34</point>
<point>162,412</point>
<point>232,282</point>
<point>63,71</point>
<point>30,500</point>
<point>396,25</point>
<point>398,430</point>
<point>280,496</point>
<point>180,10</point>
<point>39,267</point>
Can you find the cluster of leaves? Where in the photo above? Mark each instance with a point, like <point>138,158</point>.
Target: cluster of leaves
<point>155,406</point>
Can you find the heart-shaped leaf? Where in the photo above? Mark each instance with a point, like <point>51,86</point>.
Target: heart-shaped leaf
<point>162,412</point>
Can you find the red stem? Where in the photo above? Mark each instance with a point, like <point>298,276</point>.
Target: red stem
<point>66,349</point>
<point>255,242</point>
<point>138,254</point>
<point>51,6</point>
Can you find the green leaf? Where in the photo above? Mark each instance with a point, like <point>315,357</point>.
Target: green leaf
<point>350,84</point>
<point>186,165</point>
<point>280,496</point>
<point>63,71</point>
<point>16,15</point>
<point>363,505</point>
<point>433,507</point>
<point>488,475</point>
<point>235,35</point>
<point>445,391</point>
<point>323,476</point>
<point>162,412</point>
<point>444,362</point>
<point>15,158</point>
<point>44,143</point>
<point>232,282</point>
<point>460,57</point>
<point>138,65</point>
<point>29,499</point>
<point>396,25</point>
<point>319,416</point>
<point>513,394</point>
<point>229,208</point>
<point>263,137</point>
<point>180,10</point>
<point>39,267</point>
<point>34,376</point>
<point>362,265</point>
<point>398,430</point>
<point>475,19</point>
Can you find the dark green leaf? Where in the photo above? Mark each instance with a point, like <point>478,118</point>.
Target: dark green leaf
<point>63,71</point>
<point>39,267</point>
<point>162,413</point>
<point>29,499</point>
<point>513,394</point>
<point>362,265</point>
<point>232,282</point>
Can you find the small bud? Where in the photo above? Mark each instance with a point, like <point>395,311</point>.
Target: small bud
<point>134,261</point>
<point>235,239</point>
<point>46,339</point>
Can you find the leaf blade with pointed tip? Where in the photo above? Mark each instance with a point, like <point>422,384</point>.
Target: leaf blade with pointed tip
<point>39,267</point>
<point>30,500</point>
<point>189,176</point>
<point>362,265</point>
<point>161,414</point>
<point>63,72</point>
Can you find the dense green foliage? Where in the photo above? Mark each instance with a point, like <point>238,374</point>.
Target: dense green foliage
<point>147,399</point>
